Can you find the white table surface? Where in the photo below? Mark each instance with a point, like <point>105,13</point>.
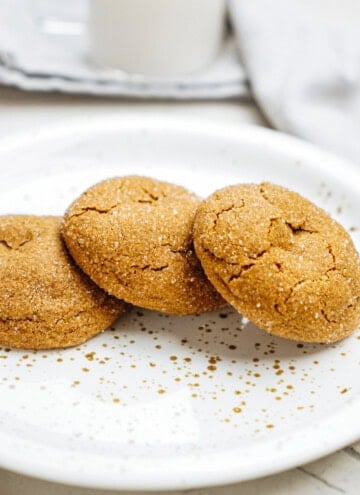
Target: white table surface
<point>337,473</point>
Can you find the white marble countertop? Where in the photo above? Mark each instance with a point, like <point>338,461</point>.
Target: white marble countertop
<point>337,473</point>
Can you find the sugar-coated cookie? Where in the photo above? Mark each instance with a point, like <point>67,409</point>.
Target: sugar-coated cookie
<point>281,261</point>
<point>45,300</point>
<point>133,237</point>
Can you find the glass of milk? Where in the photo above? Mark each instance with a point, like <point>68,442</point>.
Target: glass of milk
<point>156,37</point>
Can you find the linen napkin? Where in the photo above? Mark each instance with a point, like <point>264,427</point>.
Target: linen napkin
<point>302,59</point>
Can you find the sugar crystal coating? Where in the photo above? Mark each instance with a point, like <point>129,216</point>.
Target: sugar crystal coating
<point>133,236</point>
<point>281,261</point>
<point>45,299</point>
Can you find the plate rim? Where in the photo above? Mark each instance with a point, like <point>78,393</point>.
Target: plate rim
<point>276,141</point>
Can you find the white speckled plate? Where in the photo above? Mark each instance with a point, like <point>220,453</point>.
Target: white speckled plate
<point>161,402</point>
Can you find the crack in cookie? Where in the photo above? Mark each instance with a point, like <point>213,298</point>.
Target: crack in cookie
<point>141,249</point>
<point>281,261</point>
<point>45,300</point>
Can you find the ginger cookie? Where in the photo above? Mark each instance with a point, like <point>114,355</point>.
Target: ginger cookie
<point>281,261</point>
<point>133,237</point>
<point>45,299</point>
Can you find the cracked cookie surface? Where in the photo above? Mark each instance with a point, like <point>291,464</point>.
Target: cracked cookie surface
<point>133,236</point>
<point>281,261</point>
<point>45,300</point>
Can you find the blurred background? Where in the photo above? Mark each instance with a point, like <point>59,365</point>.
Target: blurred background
<point>298,61</point>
